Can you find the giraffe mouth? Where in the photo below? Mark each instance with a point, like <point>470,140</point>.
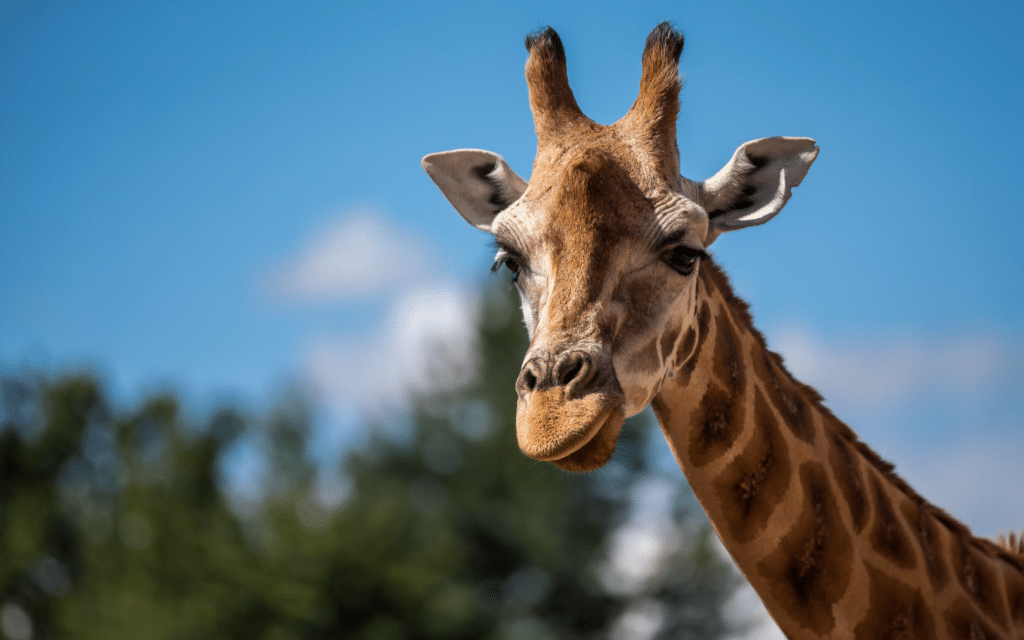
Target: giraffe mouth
<point>575,435</point>
<point>598,450</point>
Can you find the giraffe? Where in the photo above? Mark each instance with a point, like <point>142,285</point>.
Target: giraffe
<point>608,247</point>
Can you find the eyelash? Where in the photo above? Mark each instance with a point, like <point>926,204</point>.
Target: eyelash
<point>683,259</point>
<point>511,263</point>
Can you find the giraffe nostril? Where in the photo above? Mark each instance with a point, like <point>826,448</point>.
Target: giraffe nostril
<point>529,379</point>
<point>574,371</point>
<point>570,369</point>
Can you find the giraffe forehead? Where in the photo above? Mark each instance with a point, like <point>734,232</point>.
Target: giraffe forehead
<point>590,201</point>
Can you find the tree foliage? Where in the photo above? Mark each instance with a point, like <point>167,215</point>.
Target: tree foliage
<point>118,524</point>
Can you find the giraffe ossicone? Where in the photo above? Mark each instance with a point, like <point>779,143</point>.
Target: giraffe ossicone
<point>607,245</point>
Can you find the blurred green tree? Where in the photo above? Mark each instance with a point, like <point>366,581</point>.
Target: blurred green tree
<point>118,524</point>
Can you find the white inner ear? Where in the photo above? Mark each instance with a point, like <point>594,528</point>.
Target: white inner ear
<point>771,207</point>
<point>510,186</point>
<point>755,184</point>
<point>478,183</point>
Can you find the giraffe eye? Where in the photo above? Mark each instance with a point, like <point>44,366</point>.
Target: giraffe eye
<point>509,263</point>
<point>683,259</point>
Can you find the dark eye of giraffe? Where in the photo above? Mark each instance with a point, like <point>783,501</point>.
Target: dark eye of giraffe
<point>683,259</point>
<point>509,263</point>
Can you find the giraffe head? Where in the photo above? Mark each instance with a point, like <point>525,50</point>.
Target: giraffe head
<point>605,243</point>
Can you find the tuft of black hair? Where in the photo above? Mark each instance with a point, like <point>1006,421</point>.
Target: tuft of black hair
<point>548,39</point>
<point>667,37</point>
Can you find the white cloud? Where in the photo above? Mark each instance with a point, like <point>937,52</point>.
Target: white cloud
<point>423,341</point>
<point>884,372</point>
<point>359,255</point>
<point>426,342</point>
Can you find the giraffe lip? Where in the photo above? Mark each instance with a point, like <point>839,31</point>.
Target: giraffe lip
<point>597,451</point>
<point>578,439</point>
<point>551,428</point>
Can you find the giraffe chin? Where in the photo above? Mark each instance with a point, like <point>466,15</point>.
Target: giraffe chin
<point>577,435</point>
<point>598,450</point>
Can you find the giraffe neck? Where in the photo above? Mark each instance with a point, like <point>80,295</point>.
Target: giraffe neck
<point>834,543</point>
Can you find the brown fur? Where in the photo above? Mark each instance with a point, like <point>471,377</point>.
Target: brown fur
<point>905,527</point>
<point>809,569</point>
<point>962,622</point>
<point>653,115</point>
<point>553,104</point>
<point>763,472</point>
<point>897,611</point>
<point>925,529</point>
<point>740,313</point>
<point>851,481</point>
<point>888,535</point>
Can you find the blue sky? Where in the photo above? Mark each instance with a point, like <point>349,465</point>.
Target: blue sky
<point>227,196</point>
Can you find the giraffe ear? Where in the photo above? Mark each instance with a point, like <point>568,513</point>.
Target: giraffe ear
<point>479,184</point>
<point>754,186</point>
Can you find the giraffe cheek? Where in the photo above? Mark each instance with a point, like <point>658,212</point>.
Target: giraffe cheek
<point>638,397</point>
<point>657,326</point>
<point>640,374</point>
<point>529,315</point>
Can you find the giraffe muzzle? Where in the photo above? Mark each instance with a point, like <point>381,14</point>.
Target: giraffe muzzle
<point>570,409</point>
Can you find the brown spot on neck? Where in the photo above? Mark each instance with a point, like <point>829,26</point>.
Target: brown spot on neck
<point>926,530</point>
<point>751,489</point>
<point>728,365</point>
<point>895,611</point>
<point>848,476</point>
<point>786,394</point>
<point>717,425</point>
<point>963,621</point>
<point>809,570</point>
<point>792,399</point>
<point>975,570</point>
<point>888,536</point>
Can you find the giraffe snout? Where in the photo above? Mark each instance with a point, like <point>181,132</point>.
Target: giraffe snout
<point>572,370</point>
